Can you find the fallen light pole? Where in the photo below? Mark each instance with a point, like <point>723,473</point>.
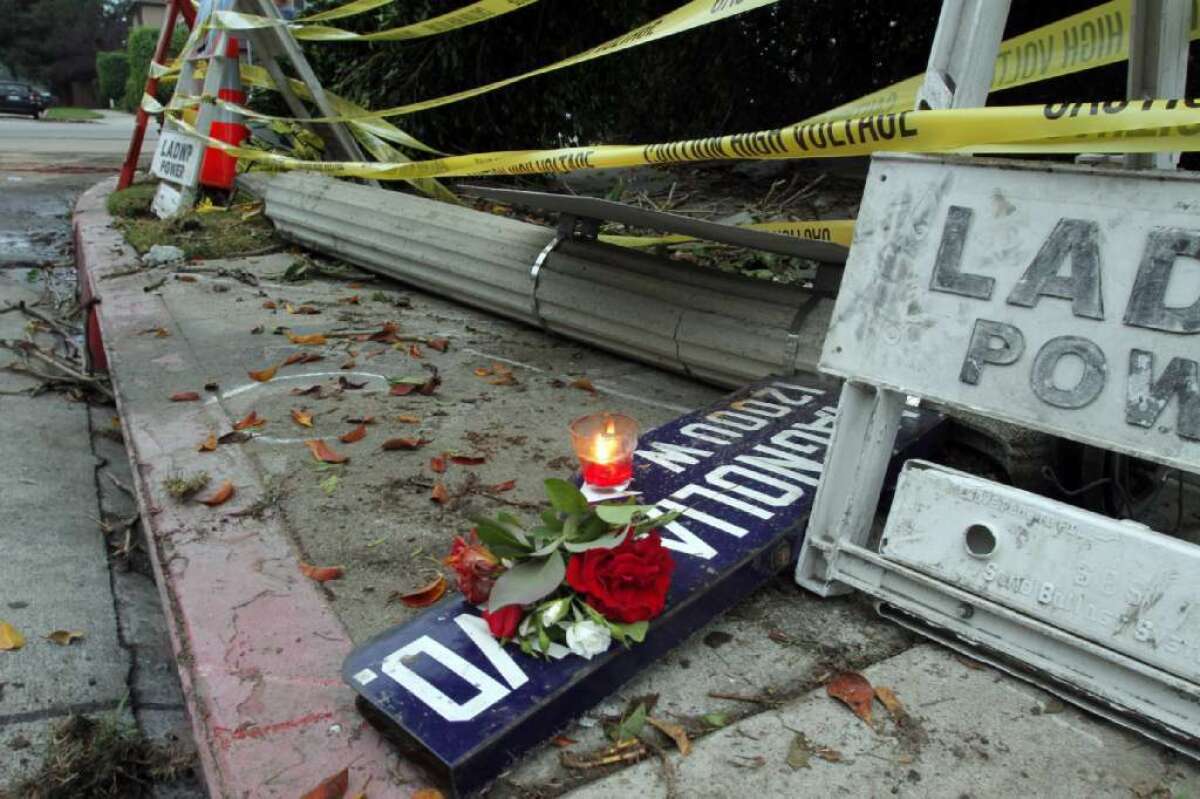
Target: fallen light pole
<point>718,327</point>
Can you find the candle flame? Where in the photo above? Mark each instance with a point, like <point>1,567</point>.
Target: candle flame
<point>604,448</point>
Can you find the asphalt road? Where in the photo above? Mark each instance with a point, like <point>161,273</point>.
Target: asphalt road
<point>99,143</point>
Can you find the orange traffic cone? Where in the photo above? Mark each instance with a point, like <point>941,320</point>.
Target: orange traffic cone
<point>219,168</point>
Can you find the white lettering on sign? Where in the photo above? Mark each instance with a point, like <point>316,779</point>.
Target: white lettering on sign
<point>1064,299</point>
<point>754,487</point>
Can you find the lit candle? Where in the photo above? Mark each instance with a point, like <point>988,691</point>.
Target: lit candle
<point>604,444</point>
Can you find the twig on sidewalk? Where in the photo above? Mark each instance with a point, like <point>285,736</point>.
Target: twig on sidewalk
<point>117,482</point>
<point>28,349</point>
<point>51,323</point>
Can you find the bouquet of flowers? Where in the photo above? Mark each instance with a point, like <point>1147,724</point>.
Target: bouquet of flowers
<point>584,576</point>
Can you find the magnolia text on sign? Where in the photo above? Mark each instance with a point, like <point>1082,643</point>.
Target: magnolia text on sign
<point>1064,298</point>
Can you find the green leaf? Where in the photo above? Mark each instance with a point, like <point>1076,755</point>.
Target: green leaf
<point>543,640</point>
<point>565,497</point>
<point>661,521</point>
<point>715,719</point>
<point>418,380</point>
<point>330,485</point>
<point>550,518</point>
<point>621,514</point>
<point>631,726</point>
<point>604,542</point>
<point>527,582</point>
<point>592,528</point>
<point>636,631</point>
<point>570,528</point>
<point>498,539</point>
<point>547,549</point>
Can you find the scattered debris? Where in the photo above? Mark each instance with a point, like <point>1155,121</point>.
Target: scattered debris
<point>321,574</point>
<point>357,434</point>
<point>185,396</point>
<point>264,375</point>
<point>251,419</point>
<point>181,486</point>
<point>302,417</point>
<point>402,444</point>
<point>331,787</point>
<point>103,757</point>
<point>10,638</point>
<point>162,254</point>
<point>64,637</point>
<point>424,596</point>
<point>321,451</point>
<point>673,731</point>
<point>223,494</point>
<point>855,691</point>
<point>209,444</point>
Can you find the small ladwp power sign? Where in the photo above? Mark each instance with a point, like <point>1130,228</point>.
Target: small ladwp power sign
<point>1062,298</point>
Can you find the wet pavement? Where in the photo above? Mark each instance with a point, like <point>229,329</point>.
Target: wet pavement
<point>61,485</point>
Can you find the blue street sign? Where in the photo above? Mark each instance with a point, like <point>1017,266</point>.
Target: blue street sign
<point>744,474</point>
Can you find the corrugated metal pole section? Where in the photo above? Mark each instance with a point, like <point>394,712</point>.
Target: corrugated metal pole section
<point>721,328</point>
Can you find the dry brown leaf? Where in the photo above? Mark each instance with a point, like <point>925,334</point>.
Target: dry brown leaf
<point>354,300</point>
<point>675,732</point>
<point>500,488</point>
<point>186,278</point>
<point>424,596</point>
<point>403,389</point>
<point>855,690</point>
<point>348,365</point>
<point>349,385</point>
<point>887,697</point>
<point>562,741</point>
<point>303,357</point>
<point>302,418</point>
<point>414,350</point>
<point>361,420</point>
<point>264,375</point>
<point>235,437</point>
<point>331,787</point>
<point>357,434</point>
<point>269,305</point>
<point>322,574</point>
<point>306,310</point>
<point>185,396</point>
<point>310,339</point>
<point>159,332</point>
<point>10,639</point>
<point>408,419</point>
<point>440,495</point>
<point>428,793</point>
<point>504,379</point>
<point>312,391</point>
<point>583,384</point>
<point>408,444</point>
<point>223,494</point>
<point>438,464</point>
<point>209,444</point>
<point>466,460</point>
<point>251,419</point>
<point>321,451</point>
<point>439,344</point>
<point>64,637</point>
<point>386,335</point>
<point>483,371</point>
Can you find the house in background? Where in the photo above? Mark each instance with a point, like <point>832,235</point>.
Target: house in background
<point>147,13</point>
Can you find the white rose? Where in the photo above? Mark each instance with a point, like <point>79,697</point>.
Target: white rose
<point>588,638</point>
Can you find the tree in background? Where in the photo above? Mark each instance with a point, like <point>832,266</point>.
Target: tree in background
<point>54,42</point>
<point>139,52</point>
<point>112,74</point>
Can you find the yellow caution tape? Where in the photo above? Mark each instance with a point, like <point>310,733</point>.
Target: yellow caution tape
<point>348,10</point>
<point>1115,127</point>
<point>1093,38</point>
<point>693,14</point>
<point>837,231</point>
<point>477,12</point>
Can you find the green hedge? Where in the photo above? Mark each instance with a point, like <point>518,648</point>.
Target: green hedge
<point>140,52</point>
<point>112,72</point>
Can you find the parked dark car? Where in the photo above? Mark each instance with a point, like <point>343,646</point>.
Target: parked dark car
<point>20,98</point>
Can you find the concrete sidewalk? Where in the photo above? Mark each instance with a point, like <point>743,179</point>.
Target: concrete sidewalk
<point>56,574</point>
<point>260,645</point>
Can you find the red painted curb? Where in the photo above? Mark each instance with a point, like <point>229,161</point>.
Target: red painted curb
<point>258,648</point>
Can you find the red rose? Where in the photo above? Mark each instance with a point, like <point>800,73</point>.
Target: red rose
<point>504,622</point>
<point>627,583</point>
<point>475,567</point>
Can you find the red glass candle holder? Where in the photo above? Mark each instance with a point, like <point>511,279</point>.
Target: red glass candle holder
<point>604,444</point>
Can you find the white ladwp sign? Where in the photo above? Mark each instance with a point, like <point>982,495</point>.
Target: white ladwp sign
<point>1066,300</point>
<point>177,158</point>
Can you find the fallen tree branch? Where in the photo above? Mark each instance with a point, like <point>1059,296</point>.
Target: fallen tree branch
<point>28,349</point>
